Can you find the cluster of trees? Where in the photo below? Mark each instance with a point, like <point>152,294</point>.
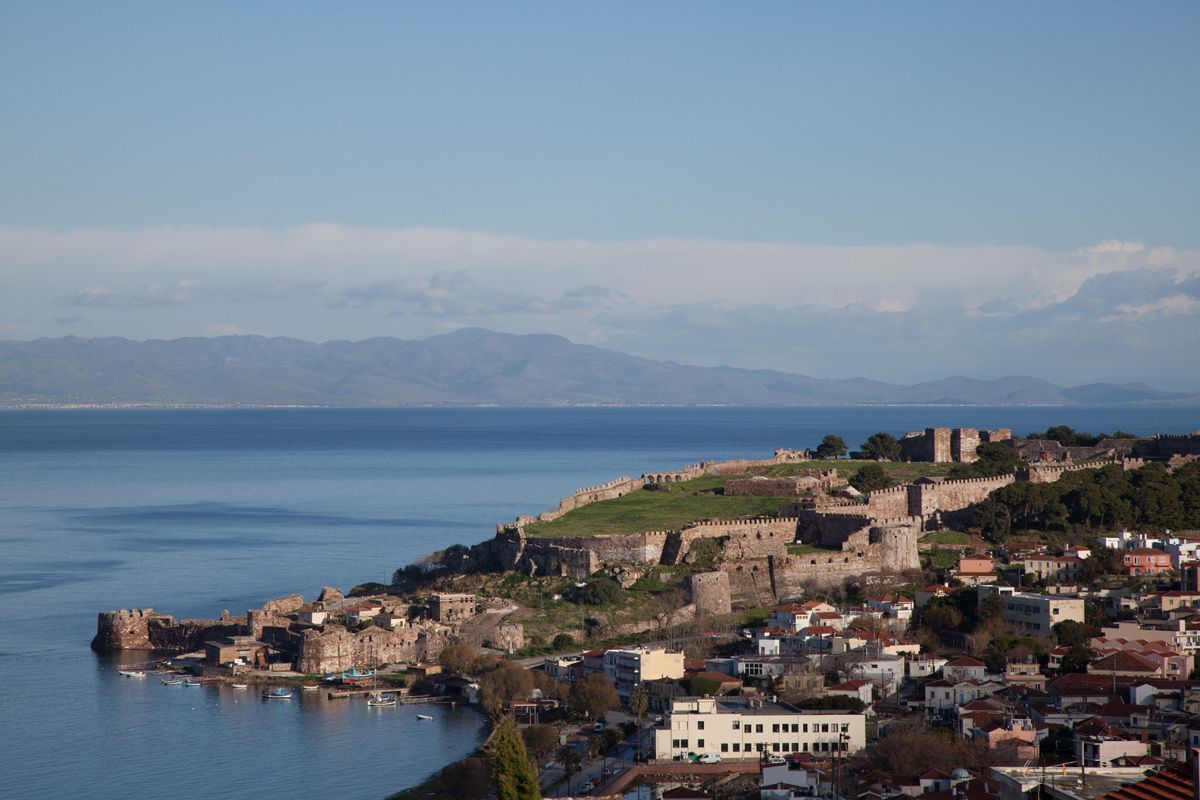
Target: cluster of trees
<point>1069,437</point>
<point>878,446</point>
<point>501,681</point>
<point>993,458</point>
<point>1102,498</point>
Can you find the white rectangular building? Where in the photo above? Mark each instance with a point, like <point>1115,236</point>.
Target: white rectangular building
<point>739,728</point>
<point>1039,613</point>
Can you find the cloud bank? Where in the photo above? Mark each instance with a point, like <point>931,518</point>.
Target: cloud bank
<point>1113,311</point>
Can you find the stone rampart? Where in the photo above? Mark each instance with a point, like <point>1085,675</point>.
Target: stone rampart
<point>1165,445</point>
<point>927,499</point>
<point>892,502</point>
<point>1049,472</point>
<point>145,629</point>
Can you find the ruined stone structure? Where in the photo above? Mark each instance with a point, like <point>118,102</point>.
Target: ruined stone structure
<point>1051,471</point>
<point>145,629</point>
<point>789,486</point>
<point>272,614</point>
<point>451,607</point>
<point>710,593</point>
<point>941,445</point>
<point>508,637</point>
<point>335,649</point>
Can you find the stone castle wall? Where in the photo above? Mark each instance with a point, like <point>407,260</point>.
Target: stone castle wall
<point>927,499</point>
<point>145,629</point>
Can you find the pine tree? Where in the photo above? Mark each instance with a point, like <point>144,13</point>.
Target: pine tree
<point>512,769</point>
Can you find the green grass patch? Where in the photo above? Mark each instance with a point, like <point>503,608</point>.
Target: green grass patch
<point>798,549</point>
<point>645,510</point>
<point>900,471</point>
<point>944,558</point>
<point>947,537</point>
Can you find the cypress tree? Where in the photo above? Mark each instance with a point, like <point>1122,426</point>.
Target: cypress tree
<point>512,769</point>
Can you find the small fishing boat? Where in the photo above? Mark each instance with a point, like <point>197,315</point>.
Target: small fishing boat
<point>172,681</point>
<point>190,682</point>
<point>132,673</point>
<point>381,699</point>
<point>278,693</point>
<point>356,674</point>
<point>424,716</point>
<point>309,687</point>
<point>241,686</point>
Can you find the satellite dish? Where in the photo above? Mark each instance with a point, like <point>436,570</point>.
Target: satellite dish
<point>960,774</point>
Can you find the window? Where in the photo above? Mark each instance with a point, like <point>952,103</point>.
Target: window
<point>759,747</point>
<point>845,727</point>
<point>758,728</point>
<point>700,744</point>
<point>795,728</point>
<point>724,747</point>
<point>737,725</point>
<point>806,727</point>
<point>775,746</point>
<point>700,725</point>
<point>775,728</point>
<point>737,747</point>
<point>824,727</point>
<point>804,745</point>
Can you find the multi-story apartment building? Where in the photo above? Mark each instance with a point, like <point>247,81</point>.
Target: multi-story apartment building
<point>745,727</point>
<point>1039,613</point>
<point>629,667</point>
<point>1147,561</point>
<point>1059,569</point>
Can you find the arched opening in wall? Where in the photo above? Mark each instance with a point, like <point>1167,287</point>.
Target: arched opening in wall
<point>846,560</point>
<point>813,563</point>
<point>759,535</point>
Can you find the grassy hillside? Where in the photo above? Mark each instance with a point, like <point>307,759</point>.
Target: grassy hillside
<point>695,500</point>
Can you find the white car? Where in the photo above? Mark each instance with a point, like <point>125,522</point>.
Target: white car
<point>775,760</point>
<point>709,758</point>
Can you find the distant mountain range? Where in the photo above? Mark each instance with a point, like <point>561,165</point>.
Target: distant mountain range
<point>467,367</point>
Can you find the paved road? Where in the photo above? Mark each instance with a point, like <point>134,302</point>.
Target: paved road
<point>617,762</point>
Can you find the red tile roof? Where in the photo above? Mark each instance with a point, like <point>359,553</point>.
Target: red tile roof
<point>965,661</point>
<point>1172,784</point>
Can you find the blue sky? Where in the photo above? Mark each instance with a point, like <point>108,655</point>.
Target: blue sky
<point>341,171</point>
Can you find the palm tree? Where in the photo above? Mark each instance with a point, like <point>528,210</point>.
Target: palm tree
<point>639,701</point>
<point>570,760</point>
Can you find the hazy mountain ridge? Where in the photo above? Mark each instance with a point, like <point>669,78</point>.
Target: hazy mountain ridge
<point>467,367</point>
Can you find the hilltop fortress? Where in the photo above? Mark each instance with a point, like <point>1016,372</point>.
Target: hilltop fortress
<point>833,538</point>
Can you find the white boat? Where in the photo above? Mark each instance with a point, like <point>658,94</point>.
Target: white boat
<point>191,683</point>
<point>132,673</point>
<point>381,699</point>
<point>241,686</point>
<point>309,687</point>
<point>172,681</point>
<point>278,693</point>
<point>424,716</point>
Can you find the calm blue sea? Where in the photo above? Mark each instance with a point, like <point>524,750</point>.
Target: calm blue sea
<point>193,511</point>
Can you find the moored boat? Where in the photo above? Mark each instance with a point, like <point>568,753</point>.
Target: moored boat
<point>241,685</point>
<point>172,681</point>
<point>424,716</point>
<point>381,699</point>
<point>190,682</point>
<point>309,687</point>
<point>132,673</point>
<point>278,693</point>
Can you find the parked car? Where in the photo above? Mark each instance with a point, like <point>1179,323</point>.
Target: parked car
<point>774,759</point>
<point>599,726</point>
<point>709,758</point>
